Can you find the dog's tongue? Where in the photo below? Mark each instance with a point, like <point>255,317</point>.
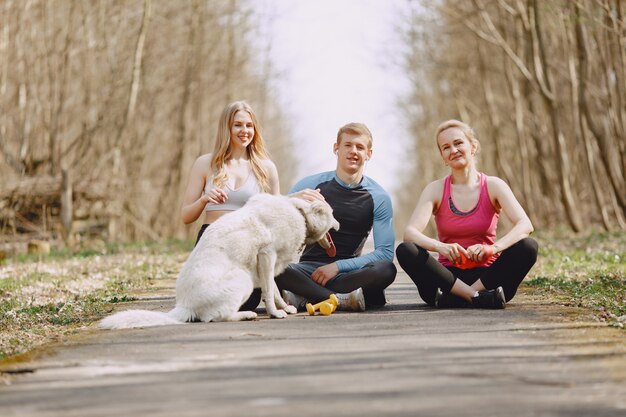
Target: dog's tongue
<point>331,250</point>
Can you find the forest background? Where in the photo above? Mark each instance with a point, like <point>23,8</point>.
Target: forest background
<point>106,104</point>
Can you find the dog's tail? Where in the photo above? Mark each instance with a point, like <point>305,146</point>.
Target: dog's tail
<point>143,318</point>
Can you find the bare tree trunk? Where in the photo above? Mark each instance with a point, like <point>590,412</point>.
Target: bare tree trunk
<point>616,38</point>
<point>562,157</point>
<point>118,164</point>
<point>606,152</point>
<point>67,210</point>
<point>173,182</point>
<point>59,78</point>
<point>141,40</point>
<point>4,75</point>
<point>503,166</point>
<point>581,132</point>
<point>522,139</point>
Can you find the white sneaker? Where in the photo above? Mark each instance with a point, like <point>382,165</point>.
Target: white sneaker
<point>295,300</point>
<point>354,301</point>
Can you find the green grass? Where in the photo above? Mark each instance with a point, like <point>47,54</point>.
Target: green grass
<point>42,300</point>
<point>605,295</point>
<point>587,271</point>
<point>146,247</point>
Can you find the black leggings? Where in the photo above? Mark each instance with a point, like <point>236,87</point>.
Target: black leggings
<point>254,299</point>
<point>428,274</point>
<point>373,278</point>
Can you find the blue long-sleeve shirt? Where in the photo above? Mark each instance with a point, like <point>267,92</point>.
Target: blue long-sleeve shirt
<point>358,210</point>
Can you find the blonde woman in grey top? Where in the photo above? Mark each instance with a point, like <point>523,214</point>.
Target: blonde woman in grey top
<point>238,159</point>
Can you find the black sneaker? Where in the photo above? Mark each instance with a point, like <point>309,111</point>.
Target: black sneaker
<point>447,300</point>
<point>493,299</point>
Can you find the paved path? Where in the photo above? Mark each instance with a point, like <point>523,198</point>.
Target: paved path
<point>404,360</point>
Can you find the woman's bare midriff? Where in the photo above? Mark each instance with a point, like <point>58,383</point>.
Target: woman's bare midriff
<point>211,216</point>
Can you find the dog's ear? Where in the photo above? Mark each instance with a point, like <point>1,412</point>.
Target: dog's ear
<point>315,210</point>
<point>319,207</point>
<point>302,205</point>
<point>323,211</point>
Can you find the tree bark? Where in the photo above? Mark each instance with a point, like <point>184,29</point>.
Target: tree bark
<point>562,156</point>
<point>173,182</point>
<point>606,152</point>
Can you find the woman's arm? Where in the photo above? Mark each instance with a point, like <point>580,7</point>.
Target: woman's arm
<point>429,199</point>
<point>504,198</point>
<point>194,200</point>
<point>272,172</point>
<point>419,220</point>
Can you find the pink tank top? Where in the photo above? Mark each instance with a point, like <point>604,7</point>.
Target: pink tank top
<point>467,228</point>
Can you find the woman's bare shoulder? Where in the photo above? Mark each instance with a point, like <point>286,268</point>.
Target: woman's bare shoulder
<point>435,187</point>
<point>206,158</point>
<point>268,163</point>
<point>496,183</point>
<point>203,162</point>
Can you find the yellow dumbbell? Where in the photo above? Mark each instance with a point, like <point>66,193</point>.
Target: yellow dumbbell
<point>326,307</point>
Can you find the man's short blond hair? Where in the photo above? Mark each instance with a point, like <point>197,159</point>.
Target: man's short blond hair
<point>355,129</point>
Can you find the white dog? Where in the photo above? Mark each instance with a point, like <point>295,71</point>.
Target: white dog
<point>242,250</point>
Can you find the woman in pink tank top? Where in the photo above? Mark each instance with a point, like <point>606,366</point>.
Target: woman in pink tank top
<point>474,268</point>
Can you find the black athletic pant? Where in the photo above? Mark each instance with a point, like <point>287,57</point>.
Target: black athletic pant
<point>373,278</point>
<point>428,274</point>
<point>255,297</point>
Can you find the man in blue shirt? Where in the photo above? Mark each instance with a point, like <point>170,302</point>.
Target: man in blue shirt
<point>360,205</point>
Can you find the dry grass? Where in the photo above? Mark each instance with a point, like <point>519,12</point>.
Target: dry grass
<point>586,271</point>
<point>43,300</point>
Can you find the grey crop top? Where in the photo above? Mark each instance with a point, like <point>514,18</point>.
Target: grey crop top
<point>236,198</point>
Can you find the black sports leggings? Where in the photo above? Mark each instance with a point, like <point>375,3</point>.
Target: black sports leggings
<point>254,299</point>
<point>373,278</point>
<point>428,274</point>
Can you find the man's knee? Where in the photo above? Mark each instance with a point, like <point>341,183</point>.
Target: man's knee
<point>285,276</point>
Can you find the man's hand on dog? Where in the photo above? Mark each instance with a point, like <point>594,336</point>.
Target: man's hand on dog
<point>309,195</point>
<point>324,273</point>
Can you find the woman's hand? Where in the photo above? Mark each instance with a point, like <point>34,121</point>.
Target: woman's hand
<point>480,253</point>
<point>215,196</point>
<point>452,251</point>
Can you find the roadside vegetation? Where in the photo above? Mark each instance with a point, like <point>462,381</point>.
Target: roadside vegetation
<point>44,300</point>
<point>586,271</point>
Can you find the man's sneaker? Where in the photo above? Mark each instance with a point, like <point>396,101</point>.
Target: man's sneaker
<point>447,300</point>
<point>493,299</point>
<point>354,301</point>
<point>295,300</point>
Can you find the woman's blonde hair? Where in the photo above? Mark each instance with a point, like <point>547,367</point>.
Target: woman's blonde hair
<point>222,151</point>
<point>464,127</point>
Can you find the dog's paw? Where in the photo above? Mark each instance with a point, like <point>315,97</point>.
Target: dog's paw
<point>247,315</point>
<point>291,309</point>
<point>279,314</point>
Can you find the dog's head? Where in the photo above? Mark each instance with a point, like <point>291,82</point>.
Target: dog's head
<point>319,219</point>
